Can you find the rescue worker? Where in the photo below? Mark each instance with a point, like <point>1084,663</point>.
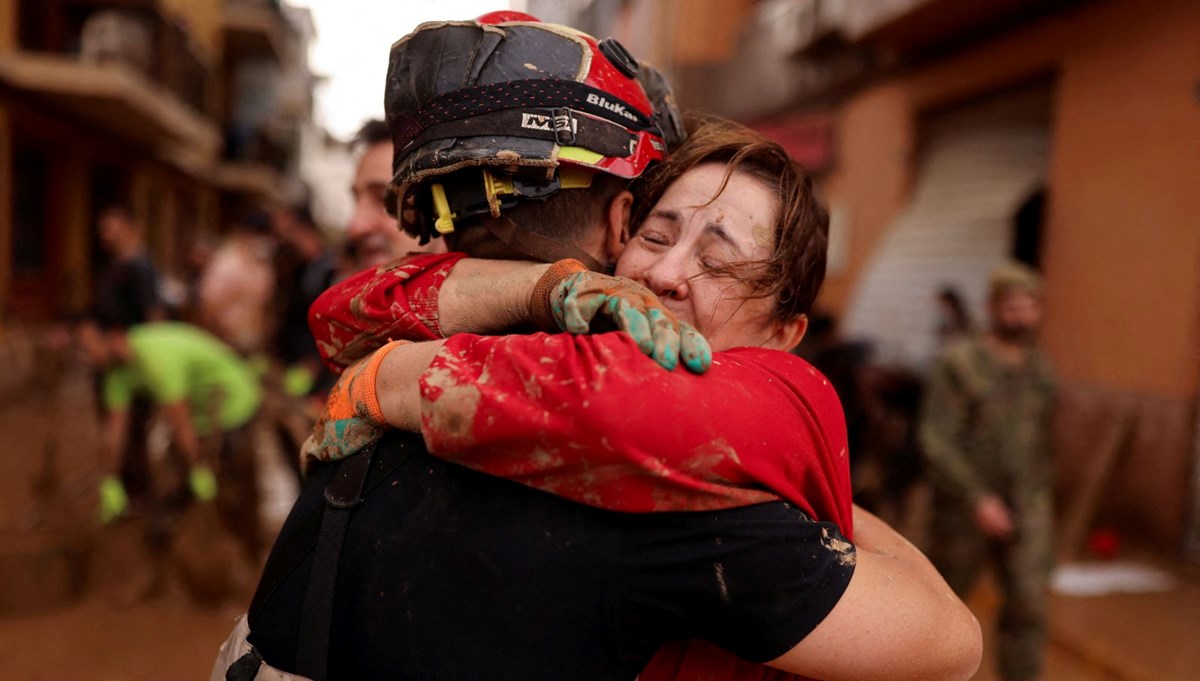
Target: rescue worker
<point>204,390</point>
<point>446,539</point>
<point>985,431</point>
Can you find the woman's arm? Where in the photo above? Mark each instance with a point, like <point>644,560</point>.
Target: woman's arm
<point>897,620</point>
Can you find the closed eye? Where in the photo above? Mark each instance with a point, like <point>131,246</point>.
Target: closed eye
<point>654,238</point>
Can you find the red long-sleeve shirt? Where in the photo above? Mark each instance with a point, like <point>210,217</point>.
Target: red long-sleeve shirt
<point>591,418</point>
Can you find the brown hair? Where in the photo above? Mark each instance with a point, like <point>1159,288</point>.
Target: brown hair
<point>794,272</point>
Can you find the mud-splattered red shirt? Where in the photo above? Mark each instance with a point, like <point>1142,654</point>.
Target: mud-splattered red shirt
<point>591,418</point>
<point>398,300</point>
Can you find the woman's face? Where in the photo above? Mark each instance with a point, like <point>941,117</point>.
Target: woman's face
<point>688,235</point>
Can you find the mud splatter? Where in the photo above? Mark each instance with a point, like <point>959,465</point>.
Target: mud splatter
<point>844,549</point>
<point>451,416</point>
<point>763,236</point>
<point>707,456</point>
<point>546,459</point>
<point>533,387</point>
<point>719,571</point>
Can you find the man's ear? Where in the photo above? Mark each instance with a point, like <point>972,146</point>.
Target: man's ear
<point>617,227</point>
<point>788,335</point>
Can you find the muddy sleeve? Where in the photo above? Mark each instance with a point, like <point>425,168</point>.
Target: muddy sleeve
<point>592,419</point>
<point>942,430</point>
<point>397,301</point>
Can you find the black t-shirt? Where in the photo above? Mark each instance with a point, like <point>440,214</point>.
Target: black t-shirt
<point>126,292</point>
<point>450,574</point>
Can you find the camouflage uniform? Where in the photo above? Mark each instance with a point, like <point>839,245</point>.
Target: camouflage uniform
<point>985,430</point>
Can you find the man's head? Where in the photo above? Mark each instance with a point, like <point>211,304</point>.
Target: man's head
<point>523,148</point>
<point>372,232</point>
<point>1015,303</point>
<point>120,234</point>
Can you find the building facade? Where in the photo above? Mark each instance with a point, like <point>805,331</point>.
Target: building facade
<point>180,109</point>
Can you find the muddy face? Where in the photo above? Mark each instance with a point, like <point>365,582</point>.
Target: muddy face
<point>686,247</point>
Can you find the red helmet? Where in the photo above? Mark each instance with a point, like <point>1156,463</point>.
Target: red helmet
<point>522,99</point>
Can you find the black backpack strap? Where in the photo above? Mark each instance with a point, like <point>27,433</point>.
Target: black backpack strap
<point>322,529</point>
<point>342,496</point>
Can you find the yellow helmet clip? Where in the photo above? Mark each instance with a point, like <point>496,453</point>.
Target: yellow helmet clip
<point>445,219</point>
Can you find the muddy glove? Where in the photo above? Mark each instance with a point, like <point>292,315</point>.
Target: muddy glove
<point>569,297</point>
<point>352,418</point>
<point>202,482</point>
<point>114,502</point>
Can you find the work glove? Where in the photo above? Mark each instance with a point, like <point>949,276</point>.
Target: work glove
<point>202,482</point>
<point>298,380</point>
<point>571,298</point>
<point>352,418</point>
<point>114,502</point>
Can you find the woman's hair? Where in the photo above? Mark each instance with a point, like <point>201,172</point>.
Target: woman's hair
<point>796,268</point>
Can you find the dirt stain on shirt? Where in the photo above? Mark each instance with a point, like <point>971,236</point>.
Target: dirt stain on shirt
<point>844,549</point>
<point>452,415</point>
<point>719,571</point>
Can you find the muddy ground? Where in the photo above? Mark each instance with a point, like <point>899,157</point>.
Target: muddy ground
<point>78,601</point>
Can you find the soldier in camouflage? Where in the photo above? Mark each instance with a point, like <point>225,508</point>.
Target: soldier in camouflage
<point>985,431</point>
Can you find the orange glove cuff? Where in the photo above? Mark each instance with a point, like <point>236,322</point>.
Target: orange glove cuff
<point>541,300</point>
<point>362,391</point>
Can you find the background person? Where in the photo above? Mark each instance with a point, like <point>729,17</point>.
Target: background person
<point>206,392</point>
<point>371,232</point>
<point>127,293</point>
<point>236,287</point>
<point>985,432</point>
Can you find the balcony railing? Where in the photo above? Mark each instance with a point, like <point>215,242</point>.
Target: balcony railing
<point>132,33</point>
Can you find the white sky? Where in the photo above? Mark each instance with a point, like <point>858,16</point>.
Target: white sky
<point>351,49</point>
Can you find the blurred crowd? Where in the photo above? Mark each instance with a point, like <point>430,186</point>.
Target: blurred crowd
<point>220,354</point>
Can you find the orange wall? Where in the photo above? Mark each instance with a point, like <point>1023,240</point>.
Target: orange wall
<point>707,31</point>
<point>875,139</point>
<point>1122,251</point>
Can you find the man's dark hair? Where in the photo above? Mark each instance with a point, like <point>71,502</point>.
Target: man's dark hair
<point>371,133</point>
<point>567,216</point>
